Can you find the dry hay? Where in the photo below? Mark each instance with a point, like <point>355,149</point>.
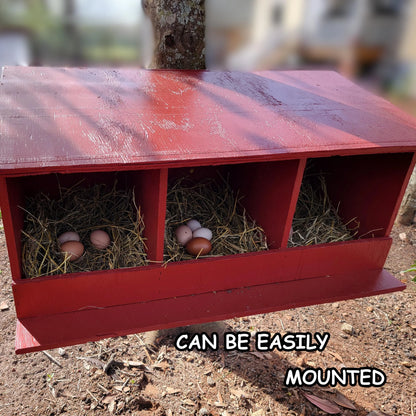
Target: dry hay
<point>82,209</point>
<point>216,206</point>
<point>316,220</point>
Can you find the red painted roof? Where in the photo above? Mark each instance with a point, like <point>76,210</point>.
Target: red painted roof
<point>58,119</point>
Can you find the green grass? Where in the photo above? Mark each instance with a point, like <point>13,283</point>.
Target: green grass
<point>111,54</point>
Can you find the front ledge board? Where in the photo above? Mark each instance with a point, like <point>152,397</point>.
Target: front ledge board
<point>51,331</point>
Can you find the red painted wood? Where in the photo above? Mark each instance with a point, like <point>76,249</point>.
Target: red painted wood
<point>150,189</point>
<point>35,333</point>
<point>267,188</point>
<point>65,293</point>
<point>146,128</point>
<point>56,119</point>
<point>368,187</point>
<point>399,198</point>
<point>293,202</point>
<point>268,191</point>
<point>11,198</point>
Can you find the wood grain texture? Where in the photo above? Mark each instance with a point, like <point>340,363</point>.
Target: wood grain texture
<point>61,119</point>
<point>34,334</point>
<point>100,289</point>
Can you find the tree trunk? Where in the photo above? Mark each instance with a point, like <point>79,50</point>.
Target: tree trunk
<point>73,43</point>
<point>408,207</point>
<point>405,84</point>
<point>179,33</point>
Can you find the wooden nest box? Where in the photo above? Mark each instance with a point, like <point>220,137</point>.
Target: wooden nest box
<point>59,126</point>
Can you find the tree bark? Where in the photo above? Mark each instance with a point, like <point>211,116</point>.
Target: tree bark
<point>408,208</point>
<point>405,84</point>
<point>179,33</point>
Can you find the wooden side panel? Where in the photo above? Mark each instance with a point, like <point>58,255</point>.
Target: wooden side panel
<point>293,201</point>
<point>34,334</point>
<point>367,187</point>
<point>268,189</point>
<point>95,290</point>
<point>150,190</point>
<point>11,198</point>
<point>400,196</point>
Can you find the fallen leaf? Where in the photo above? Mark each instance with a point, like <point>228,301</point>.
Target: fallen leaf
<point>343,401</point>
<point>4,306</point>
<point>120,407</point>
<point>347,328</point>
<point>336,355</point>
<point>138,364</point>
<point>323,404</point>
<point>171,390</point>
<point>188,402</point>
<point>260,355</point>
<point>259,412</point>
<point>161,366</point>
<point>108,399</point>
<point>240,394</point>
<point>112,406</point>
<point>311,364</point>
<point>94,361</point>
<point>325,389</point>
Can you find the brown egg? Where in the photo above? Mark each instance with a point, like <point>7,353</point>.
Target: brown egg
<point>100,239</point>
<point>198,246</point>
<point>74,249</point>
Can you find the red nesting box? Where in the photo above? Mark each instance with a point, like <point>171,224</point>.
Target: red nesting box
<point>147,128</point>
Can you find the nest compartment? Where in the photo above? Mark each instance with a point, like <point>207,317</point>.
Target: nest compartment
<point>82,209</point>
<point>216,206</point>
<point>316,219</point>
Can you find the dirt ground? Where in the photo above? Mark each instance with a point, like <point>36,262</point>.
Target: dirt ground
<point>123,376</point>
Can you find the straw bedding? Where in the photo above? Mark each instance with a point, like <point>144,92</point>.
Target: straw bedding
<point>216,206</point>
<point>212,202</point>
<point>316,220</point>
<point>83,210</point>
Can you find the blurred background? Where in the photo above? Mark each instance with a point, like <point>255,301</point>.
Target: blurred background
<point>370,41</point>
